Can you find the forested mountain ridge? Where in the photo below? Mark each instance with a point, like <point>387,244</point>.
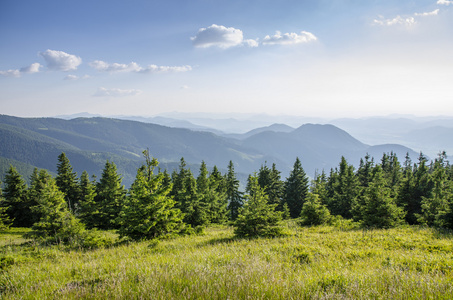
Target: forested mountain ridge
<point>89,142</point>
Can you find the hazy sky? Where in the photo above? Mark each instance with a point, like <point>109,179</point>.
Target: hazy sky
<point>316,58</point>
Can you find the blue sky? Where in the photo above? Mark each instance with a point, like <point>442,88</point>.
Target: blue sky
<point>319,58</point>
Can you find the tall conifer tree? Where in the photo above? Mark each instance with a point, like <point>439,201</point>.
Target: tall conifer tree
<point>380,208</point>
<point>88,211</point>
<point>344,190</point>
<point>149,211</point>
<point>296,189</point>
<point>67,181</point>
<point>257,217</point>
<point>16,199</point>
<point>234,196</point>
<point>110,197</point>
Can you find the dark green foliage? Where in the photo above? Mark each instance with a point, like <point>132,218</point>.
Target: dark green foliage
<point>234,196</point>
<point>212,196</point>
<point>149,211</point>
<point>187,199</point>
<point>380,209</point>
<point>270,181</point>
<point>364,174</point>
<point>257,217</point>
<point>16,200</point>
<point>87,209</point>
<point>344,189</point>
<point>392,171</point>
<point>313,211</point>
<point>110,197</point>
<point>56,222</point>
<point>319,187</point>
<point>296,189</point>
<point>436,206</point>
<point>67,181</point>
<point>5,221</point>
<point>218,180</point>
<point>414,186</point>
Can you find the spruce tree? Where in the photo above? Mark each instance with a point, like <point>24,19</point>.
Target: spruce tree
<point>187,199</point>
<point>364,175</point>
<point>55,222</point>
<point>234,196</point>
<point>380,208</point>
<point>149,211</point>
<point>270,180</point>
<point>435,206</point>
<point>211,196</point>
<point>16,200</point>
<point>67,181</point>
<point>110,196</point>
<point>345,190</point>
<point>88,210</point>
<point>217,179</point>
<point>313,211</point>
<point>415,185</point>
<point>257,217</point>
<point>319,187</point>
<point>5,221</point>
<point>296,189</point>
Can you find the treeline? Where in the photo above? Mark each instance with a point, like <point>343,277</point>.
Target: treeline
<point>381,195</point>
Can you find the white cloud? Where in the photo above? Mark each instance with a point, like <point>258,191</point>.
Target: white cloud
<point>251,43</point>
<point>75,77</point>
<point>60,61</point>
<point>427,14</point>
<point>103,92</point>
<point>33,68</point>
<point>184,87</point>
<point>219,36</point>
<point>10,73</point>
<point>134,67</point>
<point>444,2</point>
<point>165,69</point>
<point>289,38</point>
<point>115,67</point>
<point>71,77</point>
<point>398,20</point>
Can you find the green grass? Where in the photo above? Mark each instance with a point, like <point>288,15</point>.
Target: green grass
<point>308,263</point>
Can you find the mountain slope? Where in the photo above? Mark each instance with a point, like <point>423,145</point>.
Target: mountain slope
<point>89,142</point>
<point>319,147</point>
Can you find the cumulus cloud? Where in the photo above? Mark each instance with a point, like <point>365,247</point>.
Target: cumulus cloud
<point>103,92</point>
<point>75,77</point>
<point>60,61</point>
<point>71,77</point>
<point>444,2</point>
<point>289,38</point>
<point>33,68</point>
<point>102,66</point>
<point>10,73</point>
<point>115,67</point>
<point>398,20</point>
<point>221,37</point>
<point>251,43</point>
<point>405,21</point>
<point>427,14</point>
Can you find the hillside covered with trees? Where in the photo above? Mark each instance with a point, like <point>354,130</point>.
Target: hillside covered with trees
<point>380,194</point>
<point>89,142</point>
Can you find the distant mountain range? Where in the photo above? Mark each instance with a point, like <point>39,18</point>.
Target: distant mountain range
<point>89,142</point>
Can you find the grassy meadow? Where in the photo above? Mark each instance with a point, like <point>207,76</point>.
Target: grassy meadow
<point>308,263</point>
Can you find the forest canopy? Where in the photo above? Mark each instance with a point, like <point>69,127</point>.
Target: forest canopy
<point>380,194</point>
